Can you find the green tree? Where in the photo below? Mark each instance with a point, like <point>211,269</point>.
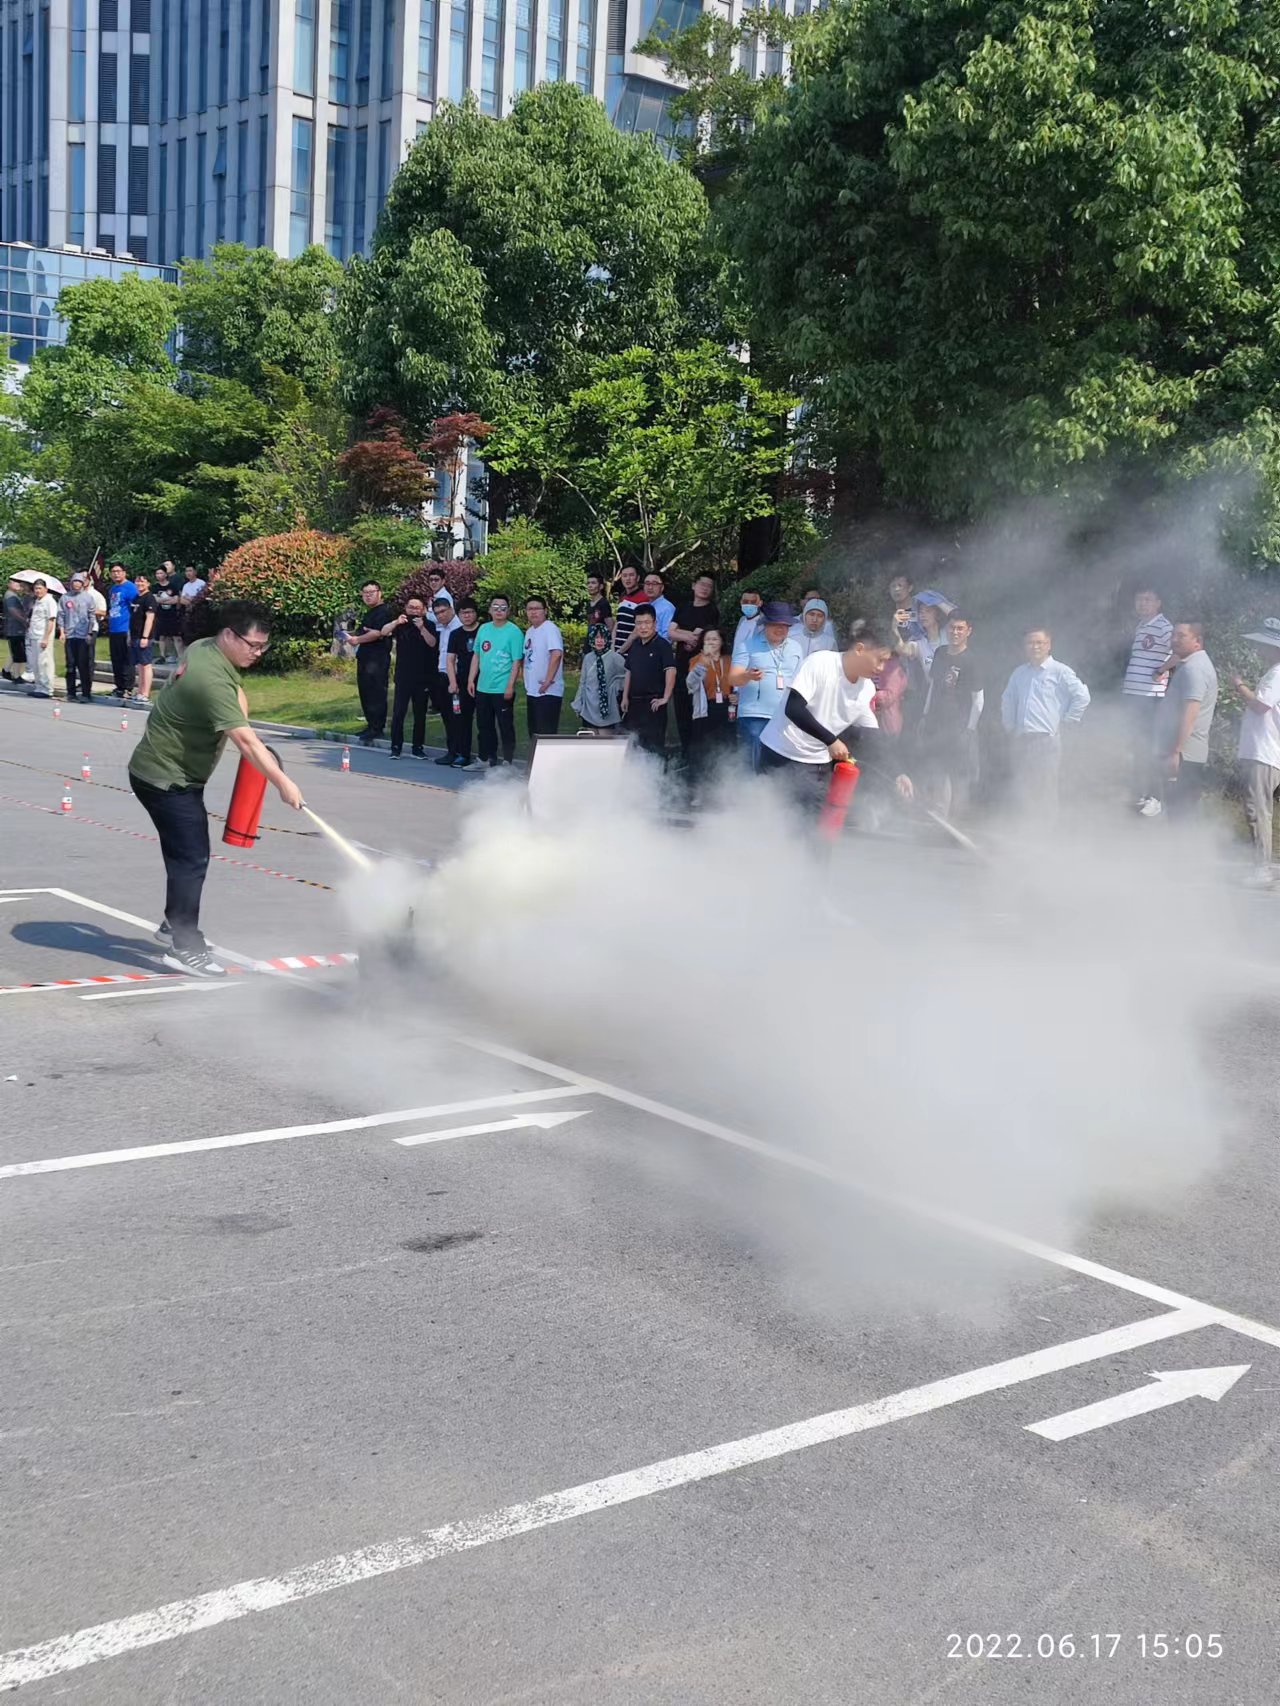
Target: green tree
<point>1010,238</point>
<point>251,316</point>
<point>666,453</point>
<point>512,253</point>
<point>128,320</point>
<point>296,482</point>
<point>521,559</point>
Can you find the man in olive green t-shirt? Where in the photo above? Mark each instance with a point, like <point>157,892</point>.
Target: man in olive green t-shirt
<point>193,718</point>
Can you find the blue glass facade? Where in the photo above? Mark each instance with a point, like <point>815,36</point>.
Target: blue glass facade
<point>30,282</point>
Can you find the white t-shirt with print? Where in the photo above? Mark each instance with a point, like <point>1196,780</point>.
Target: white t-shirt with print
<point>1260,732</point>
<point>836,702</point>
<point>539,643</point>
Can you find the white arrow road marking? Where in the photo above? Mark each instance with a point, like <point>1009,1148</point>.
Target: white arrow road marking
<point>1169,1388</point>
<point>407,1552</point>
<point>546,1121</point>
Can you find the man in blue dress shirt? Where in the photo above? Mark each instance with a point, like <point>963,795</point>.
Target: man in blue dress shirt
<point>1042,695</point>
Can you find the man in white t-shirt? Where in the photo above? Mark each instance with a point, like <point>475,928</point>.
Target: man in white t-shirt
<point>1259,747</point>
<point>543,670</point>
<point>829,699</point>
<point>1145,682</point>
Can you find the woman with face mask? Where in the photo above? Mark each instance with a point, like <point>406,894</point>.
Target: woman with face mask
<point>597,701</point>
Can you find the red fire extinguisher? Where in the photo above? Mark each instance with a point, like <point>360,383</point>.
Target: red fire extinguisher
<point>245,811</point>
<point>844,779</point>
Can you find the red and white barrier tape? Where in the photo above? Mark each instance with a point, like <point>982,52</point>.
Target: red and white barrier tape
<point>291,962</point>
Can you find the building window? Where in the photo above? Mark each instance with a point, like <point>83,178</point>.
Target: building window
<point>340,52</point>
<point>669,17</point>
<point>139,182</point>
<point>428,11</point>
<point>42,120</point>
<point>358,189</point>
<point>108,14</point>
<point>364,47</point>
<point>224,51</point>
<point>526,25</point>
<point>264,52</point>
<point>586,44</point>
<point>13,111</point>
<point>106,177</point>
<point>244,44</point>
<point>388,48</point>
<point>304,47</point>
<point>164,63</point>
<point>643,106</point>
<point>555,40</point>
<point>300,199</point>
<point>162,203</point>
<point>76,80</point>
<point>202,59</point>
<point>181,199</point>
<point>75,194</point>
<point>220,189</point>
<point>141,17</point>
<point>139,88</point>
<point>491,57</point>
<point>202,189</point>
<point>28,113</point>
<point>459,50</point>
<point>263,123</point>
<point>107,88</point>
<point>184,58</point>
<point>335,196</point>
<point>242,180</point>
<point>384,161</point>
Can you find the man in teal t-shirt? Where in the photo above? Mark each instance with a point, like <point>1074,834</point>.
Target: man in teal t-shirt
<point>495,663</point>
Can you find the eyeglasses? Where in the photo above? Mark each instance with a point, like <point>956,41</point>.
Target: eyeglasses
<point>256,646</point>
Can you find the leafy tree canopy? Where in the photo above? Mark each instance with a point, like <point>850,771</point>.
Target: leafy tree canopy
<point>251,316</point>
<point>1006,237</point>
<point>666,452</point>
<point>127,320</point>
<point>512,252</point>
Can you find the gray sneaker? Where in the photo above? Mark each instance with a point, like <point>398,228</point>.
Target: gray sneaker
<point>198,962</point>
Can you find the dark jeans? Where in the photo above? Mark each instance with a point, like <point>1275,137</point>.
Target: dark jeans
<point>372,677</point>
<point>648,726</point>
<point>442,702</point>
<point>544,714</point>
<point>79,668</point>
<point>121,662</point>
<point>183,827</point>
<point>495,718</point>
<point>806,784</point>
<point>1184,792</point>
<point>410,691</point>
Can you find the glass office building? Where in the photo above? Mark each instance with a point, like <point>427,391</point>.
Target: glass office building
<point>156,128</point>
<point>30,281</point>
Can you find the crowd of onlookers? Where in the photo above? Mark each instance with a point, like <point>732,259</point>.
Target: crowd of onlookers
<point>144,618</point>
<point>906,692</point>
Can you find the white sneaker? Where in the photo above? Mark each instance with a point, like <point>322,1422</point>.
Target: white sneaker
<point>1150,808</point>
<point>199,962</point>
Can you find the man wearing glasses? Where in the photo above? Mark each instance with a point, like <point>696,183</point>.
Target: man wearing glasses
<point>197,713</point>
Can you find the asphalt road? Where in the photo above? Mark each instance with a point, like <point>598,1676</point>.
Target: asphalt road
<point>565,1412</point>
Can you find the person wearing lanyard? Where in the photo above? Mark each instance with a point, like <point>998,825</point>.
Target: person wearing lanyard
<point>710,695</point>
<point>765,663</point>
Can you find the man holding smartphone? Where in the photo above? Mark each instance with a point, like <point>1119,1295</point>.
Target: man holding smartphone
<point>415,641</point>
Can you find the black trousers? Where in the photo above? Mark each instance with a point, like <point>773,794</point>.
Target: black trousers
<point>544,714</point>
<point>683,706</point>
<point>648,726</point>
<point>495,720</point>
<point>79,668</point>
<point>806,784</point>
<point>372,677</point>
<point>463,723</point>
<point>183,827</point>
<point>121,663</point>
<point>411,691</point>
<point>1184,792</point>
<point>442,704</point>
<point>18,649</point>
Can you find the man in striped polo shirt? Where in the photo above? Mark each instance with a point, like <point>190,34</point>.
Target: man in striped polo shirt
<point>1144,687</point>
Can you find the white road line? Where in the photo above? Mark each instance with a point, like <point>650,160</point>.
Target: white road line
<point>164,989</point>
<point>142,923</point>
<point>203,1611</point>
<point>239,1139</point>
<point>560,1116</point>
<point>582,1082</point>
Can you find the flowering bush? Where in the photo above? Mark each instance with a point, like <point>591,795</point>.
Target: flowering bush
<point>459,576</point>
<point>304,578</point>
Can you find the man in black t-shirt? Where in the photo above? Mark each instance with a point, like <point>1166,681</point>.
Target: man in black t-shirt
<point>648,684</point>
<point>142,626</point>
<point>462,645</point>
<point>599,614</point>
<point>948,733</point>
<point>373,661</point>
<point>688,625</point>
<point>414,637</point>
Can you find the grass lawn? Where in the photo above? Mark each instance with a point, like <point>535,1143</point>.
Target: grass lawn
<point>330,703</point>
